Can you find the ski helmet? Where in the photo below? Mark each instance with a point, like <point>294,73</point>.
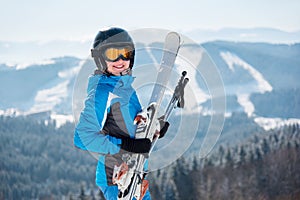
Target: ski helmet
<point>111,37</point>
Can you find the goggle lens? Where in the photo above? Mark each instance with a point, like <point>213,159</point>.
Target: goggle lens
<point>114,54</point>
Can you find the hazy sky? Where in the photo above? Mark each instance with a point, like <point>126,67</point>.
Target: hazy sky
<point>78,19</point>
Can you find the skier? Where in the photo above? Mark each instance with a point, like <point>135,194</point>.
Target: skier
<point>106,123</point>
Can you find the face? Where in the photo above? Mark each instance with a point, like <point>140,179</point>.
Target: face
<point>117,67</point>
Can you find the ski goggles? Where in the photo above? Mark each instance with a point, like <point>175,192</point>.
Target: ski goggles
<point>113,54</point>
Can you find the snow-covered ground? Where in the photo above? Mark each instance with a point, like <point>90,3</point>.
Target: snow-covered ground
<point>262,85</point>
<point>11,112</point>
<point>234,61</point>
<point>47,99</point>
<point>28,64</point>
<point>61,119</point>
<point>244,101</point>
<point>274,123</point>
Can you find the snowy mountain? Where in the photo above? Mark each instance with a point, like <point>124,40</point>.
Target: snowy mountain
<point>269,35</point>
<point>260,79</point>
<point>25,53</point>
<point>252,71</point>
<point>39,88</point>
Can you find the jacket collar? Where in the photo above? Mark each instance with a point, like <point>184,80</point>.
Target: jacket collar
<point>117,81</point>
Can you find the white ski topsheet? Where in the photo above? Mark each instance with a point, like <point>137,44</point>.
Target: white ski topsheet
<point>171,47</point>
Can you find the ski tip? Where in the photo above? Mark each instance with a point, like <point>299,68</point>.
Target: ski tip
<point>173,34</point>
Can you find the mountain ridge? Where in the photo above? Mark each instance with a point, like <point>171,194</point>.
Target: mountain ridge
<point>26,52</point>
<point>50,85</point>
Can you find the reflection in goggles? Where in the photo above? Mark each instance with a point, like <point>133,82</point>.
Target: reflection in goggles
<point>113,54</point>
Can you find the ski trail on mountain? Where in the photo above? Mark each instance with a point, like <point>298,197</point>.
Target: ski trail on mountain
<point>263,86</point>
<point>244,101</point>
<point>234,61</point>
<point>47,99</point>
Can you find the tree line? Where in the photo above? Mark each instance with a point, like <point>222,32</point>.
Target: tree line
<point>265,167</point>
<point>39,161</point>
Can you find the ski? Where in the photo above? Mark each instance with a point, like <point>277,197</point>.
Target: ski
<point>130,175</point>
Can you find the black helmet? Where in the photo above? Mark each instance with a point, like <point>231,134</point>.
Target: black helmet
<point>107,38</point>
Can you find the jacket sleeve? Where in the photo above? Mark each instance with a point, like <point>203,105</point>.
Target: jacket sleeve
<point>87,135</point>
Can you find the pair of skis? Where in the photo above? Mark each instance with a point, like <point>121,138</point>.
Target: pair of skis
<point>130,175</point>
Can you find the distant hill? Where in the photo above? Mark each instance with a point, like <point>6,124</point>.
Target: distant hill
<point>261,89</point>
<point>253,75</point>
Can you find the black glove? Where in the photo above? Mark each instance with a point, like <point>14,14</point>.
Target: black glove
<point>142,145</point>
<point>164,126</point>
<point>164,129</point>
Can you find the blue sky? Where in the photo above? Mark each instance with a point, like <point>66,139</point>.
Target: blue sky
<point>77,19</point>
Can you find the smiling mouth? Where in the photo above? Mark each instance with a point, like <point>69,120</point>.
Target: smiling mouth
<point>118,66</point>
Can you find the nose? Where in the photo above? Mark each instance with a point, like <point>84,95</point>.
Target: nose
<point>119,59</point>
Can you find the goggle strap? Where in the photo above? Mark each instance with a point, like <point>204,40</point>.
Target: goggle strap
<point>95,53</point>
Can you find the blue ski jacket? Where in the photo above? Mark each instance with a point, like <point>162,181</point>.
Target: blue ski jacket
<point>110,108</point>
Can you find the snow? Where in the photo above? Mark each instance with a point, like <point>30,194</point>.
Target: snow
<point>10,112</point>
<point>243,96</point>
<point>47,99</point>
<point>61,119</point>
<point>273,123</point>
<point>69,73</point>
<point>234,61</point>
<point>263,86</point>
<point>243,100</point>
<point>28,64</point>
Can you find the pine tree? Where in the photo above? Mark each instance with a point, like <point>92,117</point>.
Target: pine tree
<point>242,155</point>
<point>265,146</point>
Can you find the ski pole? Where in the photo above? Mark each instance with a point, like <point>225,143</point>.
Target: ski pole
<point>177,99</point>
